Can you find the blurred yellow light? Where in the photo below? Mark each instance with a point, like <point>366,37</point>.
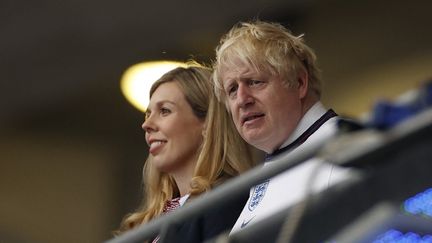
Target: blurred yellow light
<point>137,80</point>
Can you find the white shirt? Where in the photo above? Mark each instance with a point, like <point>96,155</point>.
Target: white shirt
<point>290,186</point>
<point>183,199</point>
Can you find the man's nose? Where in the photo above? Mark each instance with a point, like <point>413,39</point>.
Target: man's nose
<point>244,96</point>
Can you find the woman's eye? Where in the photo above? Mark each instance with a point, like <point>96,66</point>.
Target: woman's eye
<point>147,115</point>
<point>165,111</point>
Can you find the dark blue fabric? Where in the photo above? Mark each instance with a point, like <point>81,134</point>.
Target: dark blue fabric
<point>387,114</point>
<point>208,224</point>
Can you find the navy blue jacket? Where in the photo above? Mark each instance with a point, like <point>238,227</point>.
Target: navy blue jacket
<point>208,224</point>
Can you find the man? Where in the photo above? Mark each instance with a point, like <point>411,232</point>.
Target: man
<point>270,82</point>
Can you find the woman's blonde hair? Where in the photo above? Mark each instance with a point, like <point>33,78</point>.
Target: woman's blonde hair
<point>266,47</point>
<point>222,155</point>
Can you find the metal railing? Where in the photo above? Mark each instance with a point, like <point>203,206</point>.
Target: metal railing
<point>229,191</point>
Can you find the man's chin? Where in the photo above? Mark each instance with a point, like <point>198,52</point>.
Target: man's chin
<point>256,140</point>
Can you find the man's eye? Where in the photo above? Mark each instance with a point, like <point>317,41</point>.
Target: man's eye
<point>254,82</point>
<point>232,90</point>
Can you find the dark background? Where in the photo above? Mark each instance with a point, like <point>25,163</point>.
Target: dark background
<point>71,146</point>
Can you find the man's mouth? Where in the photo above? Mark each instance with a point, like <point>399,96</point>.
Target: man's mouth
<point>251,117</point>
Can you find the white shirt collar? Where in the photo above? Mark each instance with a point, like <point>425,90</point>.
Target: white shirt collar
<point>183,199</point>
<point>313,114</point>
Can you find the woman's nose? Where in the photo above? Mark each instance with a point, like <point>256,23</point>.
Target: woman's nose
<point>148,125</point>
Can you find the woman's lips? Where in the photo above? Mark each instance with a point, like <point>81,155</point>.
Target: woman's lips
<point>156,146</point>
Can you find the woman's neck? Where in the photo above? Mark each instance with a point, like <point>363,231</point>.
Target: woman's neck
<point>183,177</point>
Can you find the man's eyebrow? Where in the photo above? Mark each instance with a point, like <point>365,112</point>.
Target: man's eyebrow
<point>227,83</point>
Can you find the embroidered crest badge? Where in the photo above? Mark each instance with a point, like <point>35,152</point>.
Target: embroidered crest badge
<point>257,195</point>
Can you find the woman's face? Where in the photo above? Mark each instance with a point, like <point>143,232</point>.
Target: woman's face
<point>173,133</point>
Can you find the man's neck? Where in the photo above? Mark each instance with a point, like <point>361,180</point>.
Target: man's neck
<point>309,101</point>
<point>314,112</point>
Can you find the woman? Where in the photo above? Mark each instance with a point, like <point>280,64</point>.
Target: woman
<point>193,147</point>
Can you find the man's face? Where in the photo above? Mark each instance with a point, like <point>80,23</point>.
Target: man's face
<point>265,111</point>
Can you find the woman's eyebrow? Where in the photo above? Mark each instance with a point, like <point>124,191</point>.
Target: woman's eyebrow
<point>161,102</point>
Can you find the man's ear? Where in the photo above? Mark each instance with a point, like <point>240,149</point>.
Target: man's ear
<point>303,83</point>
